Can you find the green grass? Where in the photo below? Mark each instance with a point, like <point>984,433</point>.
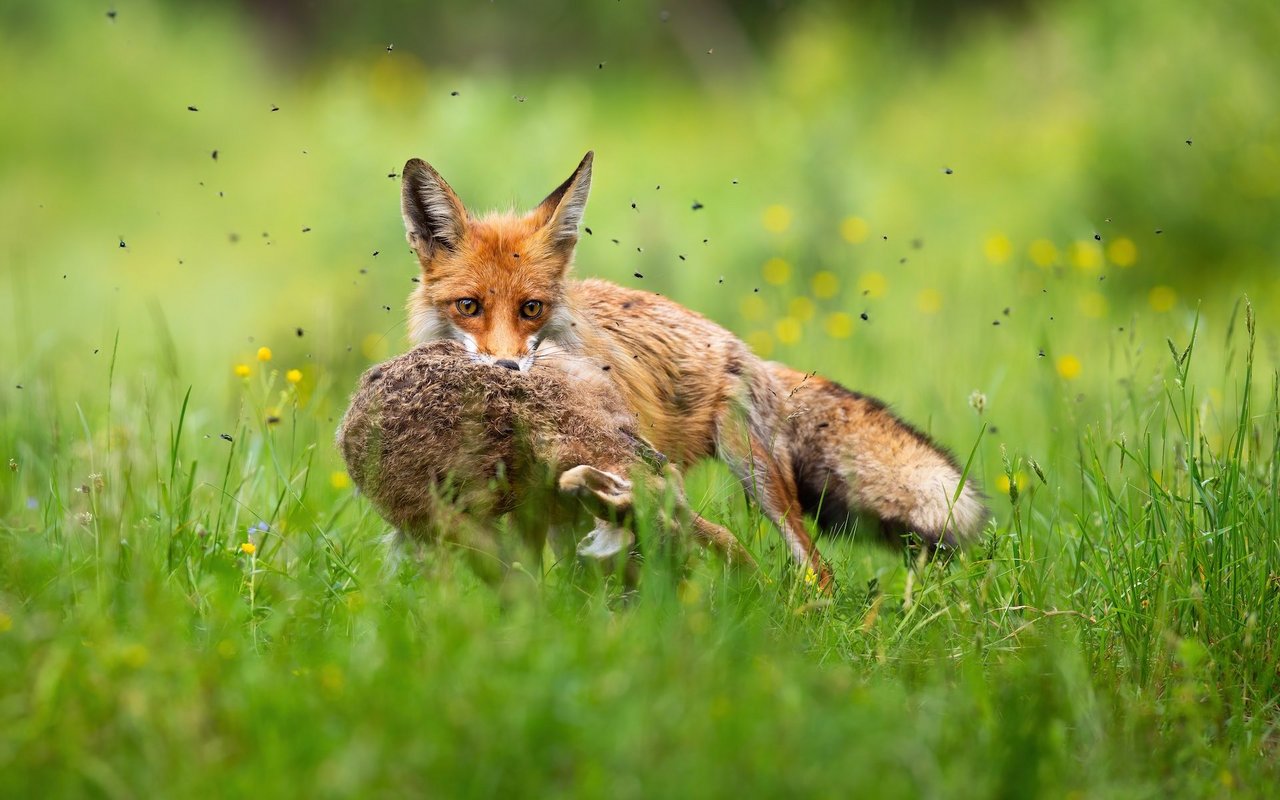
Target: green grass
<point>1116,634</point>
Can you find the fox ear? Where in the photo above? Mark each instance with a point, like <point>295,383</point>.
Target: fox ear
<point>561,213</point>
<point>433,214</point>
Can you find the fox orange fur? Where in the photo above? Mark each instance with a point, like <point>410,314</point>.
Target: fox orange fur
<point>499,284</point>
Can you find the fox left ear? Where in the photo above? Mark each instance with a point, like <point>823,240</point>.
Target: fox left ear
<point>433,214</point>
<point>561,212</point>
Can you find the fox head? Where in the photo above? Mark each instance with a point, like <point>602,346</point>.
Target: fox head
<point>495,283</point>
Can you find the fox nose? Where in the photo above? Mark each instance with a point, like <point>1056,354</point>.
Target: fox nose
<point>508,363</point>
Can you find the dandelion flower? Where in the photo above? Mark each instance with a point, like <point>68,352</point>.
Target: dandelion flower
<point>802,308</point>
<point>997,248</point>
<point>873,284</point>
<point>838,325</point>
<point>1084,256</point>
<point>1043,253</point>
<point>1162,299</point>
<point>1004,484</point>
<point>776,271</point>
<point>761,343</point>
<point>1069,367</point>
<point>753,307</point>
<point>825,285</point>
<point>374,346</point>
<point>776,218</point>
<point>293,376</point>
<point>929,301</point>
<point>339,479</point>
<point>1122,252</point>
<point>854,230</point>
<point>264,353</point>
<point>248,548</point>
<point>1093,305</point>
<point>242,370</point>
<point>787,330</point>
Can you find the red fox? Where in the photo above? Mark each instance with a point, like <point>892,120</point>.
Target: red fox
<point>499,284</point>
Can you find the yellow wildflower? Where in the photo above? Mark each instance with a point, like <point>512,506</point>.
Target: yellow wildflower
<point>1043,253</point>
<point>339,479</point>
<point>1093,304</point>
<point>929,301</point>
<point>1162,298</point>
<point>776,271</point>
<point>854,230</point>
<point>810,577</point>
<point>374,346</point>
<point>997,248</point>
<point>873,284</point>
<point>1122,252</point>
<point>1084,256</point>
<point>838,325</point>
<point>825,284</point>
<point>787,330</point>
<point>1069,367</point>
<point>293,376</point>
<point>753,307</point>
<point>776,218</point>
<point>242,370</point>
<point>761,343</point>
<point>802,308</point>
<point>248,548</point>
<point>264,353</point>
<point>1019,480</point>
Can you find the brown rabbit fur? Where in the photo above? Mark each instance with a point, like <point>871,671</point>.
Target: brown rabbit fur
<point>444,446</point>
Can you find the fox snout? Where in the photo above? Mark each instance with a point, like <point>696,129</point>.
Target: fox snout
<point>514,359</point>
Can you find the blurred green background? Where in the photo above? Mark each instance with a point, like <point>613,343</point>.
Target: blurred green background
<point>939,170</point>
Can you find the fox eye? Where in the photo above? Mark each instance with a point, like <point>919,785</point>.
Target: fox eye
<point>532,309</point>
<point>468,307</point>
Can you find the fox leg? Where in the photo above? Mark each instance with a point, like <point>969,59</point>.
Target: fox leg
<point>768,480</point>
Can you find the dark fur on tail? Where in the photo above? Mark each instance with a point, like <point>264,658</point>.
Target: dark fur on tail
<point>851,456</point>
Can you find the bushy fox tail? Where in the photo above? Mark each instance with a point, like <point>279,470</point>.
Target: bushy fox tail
<point>851,456</point>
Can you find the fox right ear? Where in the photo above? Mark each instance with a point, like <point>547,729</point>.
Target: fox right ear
<point>433,214</point>
<point>561,212</point>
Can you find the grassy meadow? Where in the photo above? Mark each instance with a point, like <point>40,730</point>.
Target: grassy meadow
<point>1045,237</point>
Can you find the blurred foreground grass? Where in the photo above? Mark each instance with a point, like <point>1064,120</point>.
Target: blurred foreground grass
<point>991,208</point>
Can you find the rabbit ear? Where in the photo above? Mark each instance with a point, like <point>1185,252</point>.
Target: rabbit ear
<point>561,213</point>
<point>433,214</point>
<point>604,494</point>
